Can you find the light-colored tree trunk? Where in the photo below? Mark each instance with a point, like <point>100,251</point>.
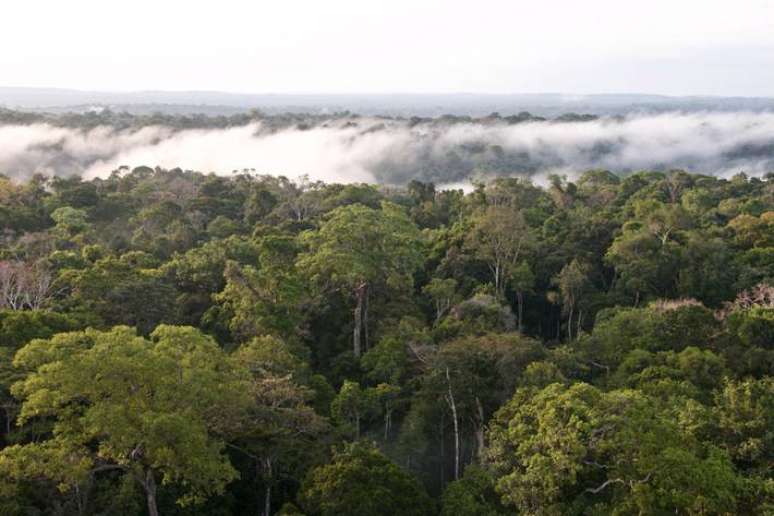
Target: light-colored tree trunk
<point>497,278</point>
<point>481,445</point>
<point>361,293</point>
<point>455,421</point>
<point>365,320</point>
<point>387,422</point>
<point>442,469</point>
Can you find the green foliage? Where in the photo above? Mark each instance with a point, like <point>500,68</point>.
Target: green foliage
<point>148,408</point>
<point>360,480</point>
<point>599,346</point>
<point>660,327</point>
<point>357,244</point>
<point>19,327</point>
<point>565,448</point>
<point>118,291</point>
<point>744,412</point>
<point>474,494</point>
<point>69,220</point>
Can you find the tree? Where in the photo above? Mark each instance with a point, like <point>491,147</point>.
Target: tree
<point>16,329</point>
<point>472,495</point>
<point>661,220</point>
<point>666,326</point>
<point>466,380</point>
<point>118,290</point>
<point>645,261</point>
<point>24,286</point>
<point>441,291</point>
<point>574,448</point>
<point>280,429</point>
<point>263,298</point>
<point>69,221</point>
<point>155,410</point>
<point>360,249</point>
<point>351,405</point>
<point>573,282</point>
<point>360,480</point>
<point>500,237</point>
<point>744,413</point>
<point>522,280</point>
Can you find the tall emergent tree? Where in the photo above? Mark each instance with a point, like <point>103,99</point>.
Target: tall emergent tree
<point>500,237</point>
<point>152,409</point>
<point>580,450</point>
<point>360,249</point>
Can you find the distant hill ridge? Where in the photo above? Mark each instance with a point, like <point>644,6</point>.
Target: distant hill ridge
<point>400,104</point>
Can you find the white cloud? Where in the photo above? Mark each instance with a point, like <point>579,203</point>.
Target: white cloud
<point>395,152</point>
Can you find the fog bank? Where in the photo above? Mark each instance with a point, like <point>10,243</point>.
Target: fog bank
<point>396,151</point>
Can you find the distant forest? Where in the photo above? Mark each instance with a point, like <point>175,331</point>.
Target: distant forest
<point>92,117</point>
<point>180,343</point>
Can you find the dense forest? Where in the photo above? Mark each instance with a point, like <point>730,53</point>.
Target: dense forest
<point>173,342</point>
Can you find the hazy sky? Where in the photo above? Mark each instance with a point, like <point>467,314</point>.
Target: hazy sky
<point>425,46</point>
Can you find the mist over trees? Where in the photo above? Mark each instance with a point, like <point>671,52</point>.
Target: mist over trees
<point>346,147</point>
<point>173,342</point>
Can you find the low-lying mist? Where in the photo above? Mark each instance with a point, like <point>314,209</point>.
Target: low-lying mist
<point>394,151</point>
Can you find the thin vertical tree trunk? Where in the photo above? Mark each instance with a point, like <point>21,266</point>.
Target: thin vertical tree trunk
<point>578,326</point>
<point>387,422</point>
<point>520,300</point>
<point>267,491</point>
<point>150,493</point>
<point>569,323</point>
<point>497,278</point>
<point>360,293</point>
<point>443,451</point>
<point>481,445</point>
<point>455,420</point>
<point>365,318</point>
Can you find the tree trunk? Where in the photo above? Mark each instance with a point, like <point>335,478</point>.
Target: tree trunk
<point>267,491</point>
<point>360,296</point>
<point>481,445</point>
<point>578,326</point>
<point>387,423</point>
<point>150,493</point>
<point>365,318</point>
<point>569,323</point>
<point>455,420</point>
<point>520,302</point>
<point>443,450</point>
<point>497,278</point>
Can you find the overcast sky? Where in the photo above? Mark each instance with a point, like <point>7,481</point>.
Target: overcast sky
<point>676,47</point>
